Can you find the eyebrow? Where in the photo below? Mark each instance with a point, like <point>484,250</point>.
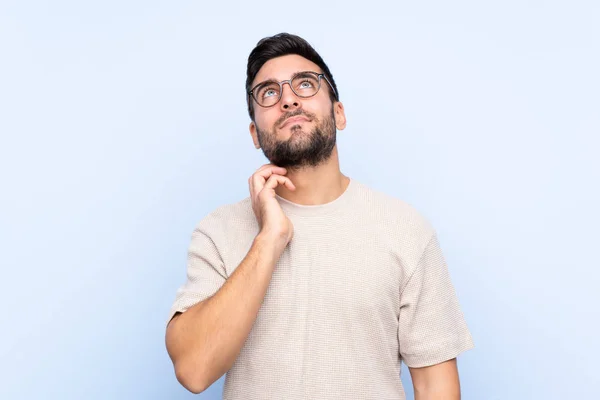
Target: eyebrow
<point>297,74</point>
<point>304,73</point>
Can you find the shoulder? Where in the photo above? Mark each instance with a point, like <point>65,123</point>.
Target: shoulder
<point>227,218</point>
<point>402,222</point>
<point>381,205</point>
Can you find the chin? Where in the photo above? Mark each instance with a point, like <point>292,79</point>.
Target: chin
<point>296,128</point>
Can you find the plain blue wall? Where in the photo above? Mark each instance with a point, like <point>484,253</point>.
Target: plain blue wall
<point>124,123</point>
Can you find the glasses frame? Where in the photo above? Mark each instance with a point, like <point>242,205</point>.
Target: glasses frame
<point>289,82</point>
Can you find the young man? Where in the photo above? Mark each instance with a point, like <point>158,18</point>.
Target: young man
<point>315,286</point>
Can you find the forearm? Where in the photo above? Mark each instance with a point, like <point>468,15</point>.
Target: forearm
<point>205,340</point>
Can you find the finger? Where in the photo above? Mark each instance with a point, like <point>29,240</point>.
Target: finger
<point>270,168</point>
<point>276,180</point>
<point>260,177</point>
<point>289,184</point>
<point>269,165</point>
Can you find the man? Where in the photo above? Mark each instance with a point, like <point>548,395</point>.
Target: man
<point>315,286</point>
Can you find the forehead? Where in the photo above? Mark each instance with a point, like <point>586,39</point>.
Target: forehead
<point>281,68</point>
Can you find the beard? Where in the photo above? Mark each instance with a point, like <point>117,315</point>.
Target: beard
<point>302,149</point>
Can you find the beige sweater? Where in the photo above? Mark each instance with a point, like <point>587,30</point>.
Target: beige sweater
<point>361,287</point>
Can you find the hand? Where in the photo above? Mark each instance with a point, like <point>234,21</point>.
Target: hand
<point>269,214</point>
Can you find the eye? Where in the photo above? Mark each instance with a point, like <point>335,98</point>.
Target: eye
<point>268,91</point>
<point>306,84</point>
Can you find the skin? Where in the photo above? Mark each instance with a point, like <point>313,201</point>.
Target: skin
<point>324,182</point>
<point>436,382</point>
<point>316,184</point>
<point>204,341</point>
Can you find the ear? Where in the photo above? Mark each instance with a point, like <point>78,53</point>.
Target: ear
<point>254,135</point>
<point>340,115</point>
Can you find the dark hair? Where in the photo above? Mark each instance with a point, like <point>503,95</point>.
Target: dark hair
<point>280,45</point>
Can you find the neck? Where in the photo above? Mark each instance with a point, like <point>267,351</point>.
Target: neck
<point>316,185</point>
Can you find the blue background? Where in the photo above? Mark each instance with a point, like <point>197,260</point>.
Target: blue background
<point>124,123</point>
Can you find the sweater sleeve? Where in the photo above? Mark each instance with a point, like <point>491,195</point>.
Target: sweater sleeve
<point>206,271</point>
<point>431,326</point>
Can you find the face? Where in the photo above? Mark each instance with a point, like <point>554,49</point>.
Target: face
<point>296,132</point>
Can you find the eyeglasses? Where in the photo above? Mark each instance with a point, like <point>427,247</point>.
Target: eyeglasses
<point>303,84</point>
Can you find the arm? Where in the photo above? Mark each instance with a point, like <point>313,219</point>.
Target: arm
<point>432,330</point>
<point>204,341</point>
<point>436,382</point>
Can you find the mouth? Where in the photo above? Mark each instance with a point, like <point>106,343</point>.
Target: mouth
<point>294,120</point>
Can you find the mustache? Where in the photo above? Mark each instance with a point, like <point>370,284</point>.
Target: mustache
<point>291,114</point>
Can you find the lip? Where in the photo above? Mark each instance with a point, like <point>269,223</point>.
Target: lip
<point>294,119</point>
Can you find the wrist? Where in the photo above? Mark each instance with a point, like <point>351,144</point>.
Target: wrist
<point>272,243</point>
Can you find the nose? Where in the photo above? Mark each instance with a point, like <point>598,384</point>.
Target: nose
<point>289,100</point>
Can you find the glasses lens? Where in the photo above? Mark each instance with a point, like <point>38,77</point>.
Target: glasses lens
<point>306,84</point>
<point>267,94</point>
